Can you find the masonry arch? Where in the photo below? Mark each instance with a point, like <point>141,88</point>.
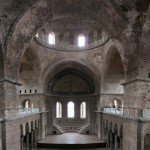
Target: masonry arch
<point>90,71</point>
<point>71,76</point>
<point>114,69</point>
<point>113,75</point>
<point>33,18</point>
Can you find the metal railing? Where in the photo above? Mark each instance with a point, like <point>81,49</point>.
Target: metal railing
<point>19,112</point>
<point>124,111</point>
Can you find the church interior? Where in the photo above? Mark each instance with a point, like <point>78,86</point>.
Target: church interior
<point>76,68</point>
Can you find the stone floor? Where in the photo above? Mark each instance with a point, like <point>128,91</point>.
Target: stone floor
<point>72,138</point>
<point>78,149</point>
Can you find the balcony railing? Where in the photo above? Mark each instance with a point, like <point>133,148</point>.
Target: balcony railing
<point>19,112</point>
<point>128,112</point>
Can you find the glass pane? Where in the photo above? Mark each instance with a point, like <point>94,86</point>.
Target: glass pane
<point>81,41</point>
<point>51,38</point>
<point>27,104</point>
<point>58,110</point>
<point>83,110</point>
<point>70,110</point>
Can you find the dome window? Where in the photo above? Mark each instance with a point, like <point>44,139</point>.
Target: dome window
<point>51,38</point>
<point>81,40</point>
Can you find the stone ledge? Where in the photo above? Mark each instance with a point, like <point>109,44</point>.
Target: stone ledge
<point>13,82</point>
<point>19,117</point>
<point>137,79</point>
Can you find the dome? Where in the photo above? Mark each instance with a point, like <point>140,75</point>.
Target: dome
<point>70,34</point>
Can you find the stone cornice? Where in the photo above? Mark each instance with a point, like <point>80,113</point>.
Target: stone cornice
<point>10,81</point>
<point>137,79</point>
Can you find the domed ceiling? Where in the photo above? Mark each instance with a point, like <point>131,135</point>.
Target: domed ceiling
<point>67,31</point>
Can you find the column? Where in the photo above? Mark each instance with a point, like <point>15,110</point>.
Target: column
<point>111,140</point>
<point>32,139</point>
<point>77,109</point>
<point>107,139</point>
<point>22,138</point>
<point>41,127</point>
<point>121,144</point>
<point>50,117</point>
<point>27,142</point>
<point>116,143</point>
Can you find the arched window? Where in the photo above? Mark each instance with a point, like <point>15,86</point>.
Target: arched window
<point>58,110</point>
<point>27,104</point>
<point>83,110</point>
<point>70,110</point>
<point>51,38</point>
<point>81,40</point>
<point>37,35</point>
<point>117,103</point>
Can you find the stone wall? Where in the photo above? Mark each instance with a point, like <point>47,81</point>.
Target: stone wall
<point>12,132</point>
